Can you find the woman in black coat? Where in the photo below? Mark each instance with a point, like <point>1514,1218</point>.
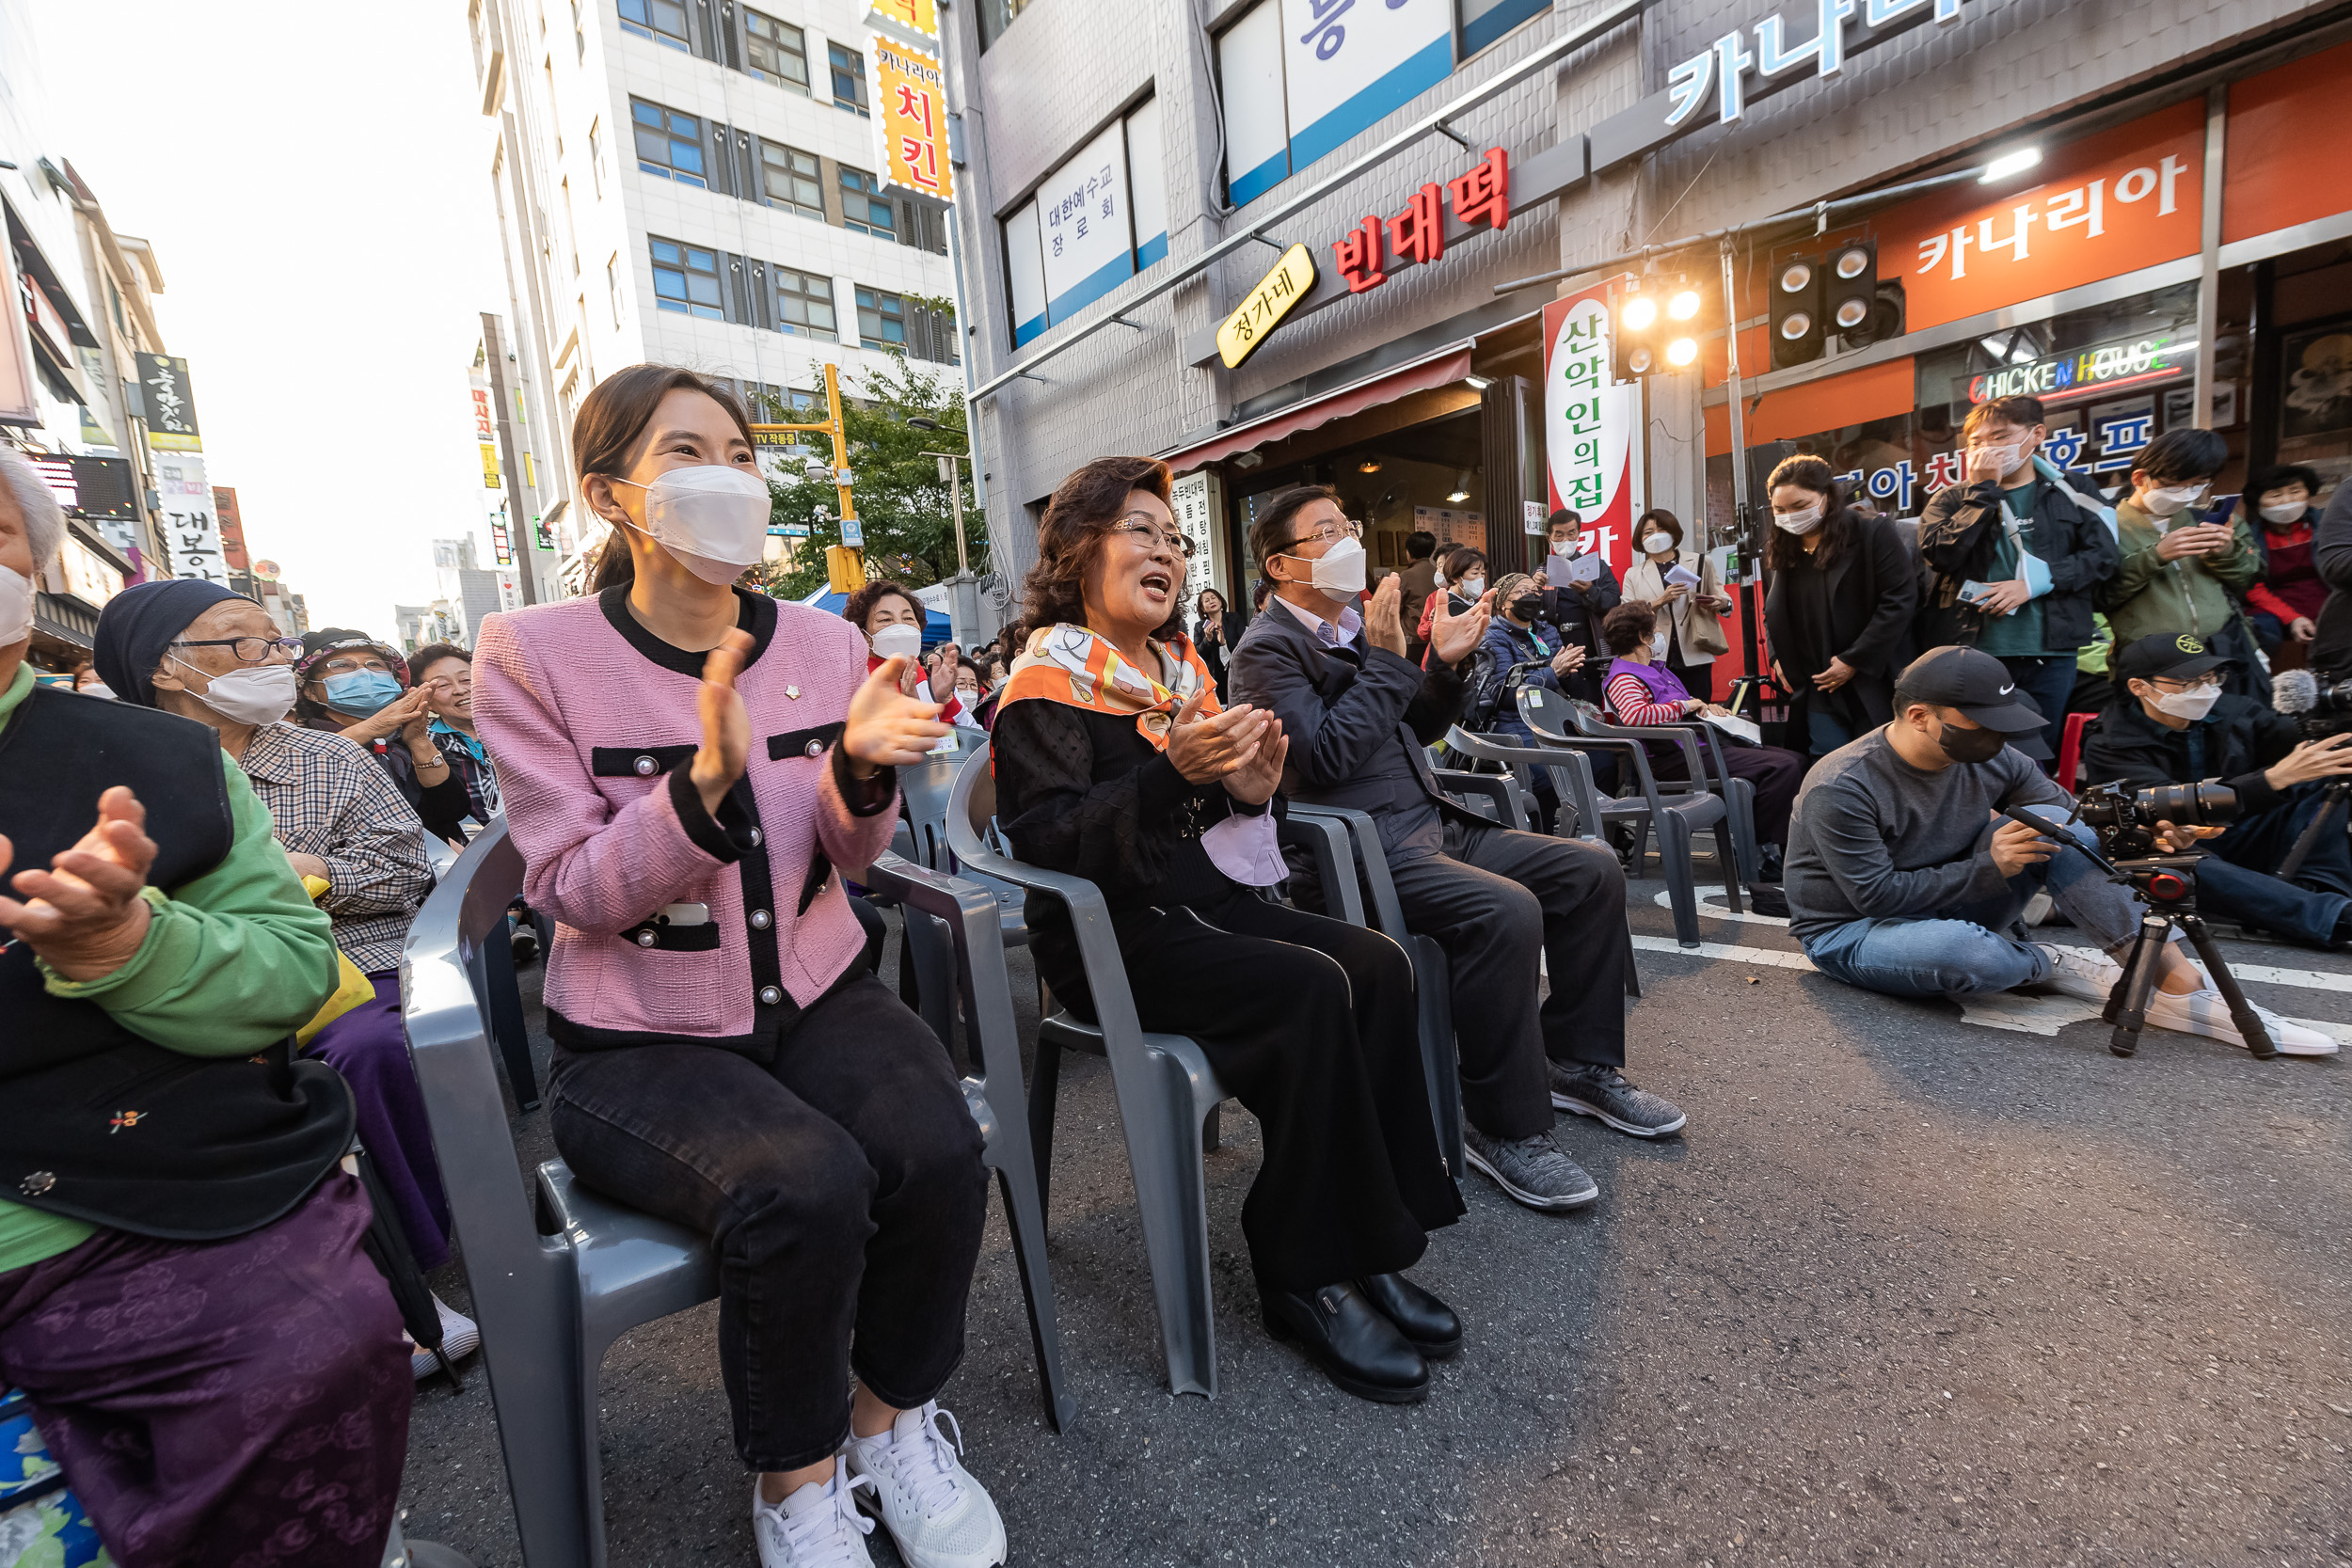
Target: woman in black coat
<point>1219,629</point>
<point>1839,609</point>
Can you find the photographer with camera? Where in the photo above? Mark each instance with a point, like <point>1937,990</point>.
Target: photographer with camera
<point>2171,723</point>
<point>1905,877</point>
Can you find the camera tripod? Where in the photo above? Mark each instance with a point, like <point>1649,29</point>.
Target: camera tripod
<point>2337,792</point>
<point>2166,885</point>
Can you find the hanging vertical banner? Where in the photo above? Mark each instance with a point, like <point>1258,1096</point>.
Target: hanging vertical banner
<point>1198,499</point>
<point>170,403</point>
<point>911,93</point>
<point>190,528</point>
<point>1588,425</point>
<point>914,21</point>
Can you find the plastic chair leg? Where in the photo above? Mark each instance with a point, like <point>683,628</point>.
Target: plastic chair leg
<point>1727,856</point>
<point>1024,1214</point>
<point>1673,854</point>
<point>1211,1130</point>
<point>1163,1117</point>
<point>935,975</point>
<point>1044,1089</point>
<point>506,1015</point>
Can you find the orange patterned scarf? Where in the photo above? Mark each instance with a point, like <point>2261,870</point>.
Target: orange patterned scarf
<point>1069,664</point>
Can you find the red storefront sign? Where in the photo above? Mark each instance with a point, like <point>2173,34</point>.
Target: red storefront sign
<point>1480,195</point>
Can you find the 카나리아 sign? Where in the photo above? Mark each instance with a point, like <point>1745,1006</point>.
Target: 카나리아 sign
<point>1267,304</point>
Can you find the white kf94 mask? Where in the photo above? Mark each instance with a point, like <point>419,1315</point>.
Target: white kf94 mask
<point>712,516</point>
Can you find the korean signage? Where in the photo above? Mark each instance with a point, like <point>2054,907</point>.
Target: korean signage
<point>16,372</point>
<point>1198,499</point>
<point>2086,371</point>
<point>170,404</point>
<point>911,94</point>
<point>502,539</point>
<point>1482,195</point>
<point>231,523</point>
<point>1302,77</point>
<point>917,22</point>
<point>1267,304</point>
<point>1588,424</point>
<point>190,529</point>
<point>1084,225</point>
<point>1452,529</point>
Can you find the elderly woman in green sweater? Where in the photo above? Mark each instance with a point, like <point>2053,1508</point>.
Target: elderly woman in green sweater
<point>2181,575</point>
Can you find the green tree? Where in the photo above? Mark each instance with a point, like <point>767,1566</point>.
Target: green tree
<point>903,506</point>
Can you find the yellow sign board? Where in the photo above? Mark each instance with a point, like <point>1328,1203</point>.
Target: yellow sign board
<point>489,466</point>
<point>913,20</point>
<point>1277,293</point>
<point>913,96</point>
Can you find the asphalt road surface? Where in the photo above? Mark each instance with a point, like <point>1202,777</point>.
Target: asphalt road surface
<point>1917,1286</point>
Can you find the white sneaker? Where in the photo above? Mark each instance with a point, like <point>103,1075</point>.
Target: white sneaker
<point>936,1513</point>
<point>2204,1012</point>
<point>459,1338</point>
<point>2080,971</point>
<point>817,1526</point>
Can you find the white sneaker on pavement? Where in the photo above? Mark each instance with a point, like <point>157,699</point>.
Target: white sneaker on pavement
<point>2205,1012</point>
<point>816,1527</point>
<point>939,1517</point>
<point>2080,971</point>
<point>459,1340</point>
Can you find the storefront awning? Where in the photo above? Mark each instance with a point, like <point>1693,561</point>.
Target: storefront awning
<point>1446,366</point>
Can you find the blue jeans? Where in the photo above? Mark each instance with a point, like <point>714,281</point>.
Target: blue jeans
<point>2050,684</point>
<point>2235,877</point>
<point>1967,949</point>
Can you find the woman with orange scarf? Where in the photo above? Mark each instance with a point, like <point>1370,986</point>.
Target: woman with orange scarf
<point>1114,761</point>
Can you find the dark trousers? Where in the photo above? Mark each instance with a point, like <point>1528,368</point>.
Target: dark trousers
<point>2236,878</point>
<point>2049,683</point>
<point>370,1048</point>
<point>1497,901</point>
<point>1311,1024</point>
<point>1775,771</point>
<point>840,1184</point>
<point>216,1403</point>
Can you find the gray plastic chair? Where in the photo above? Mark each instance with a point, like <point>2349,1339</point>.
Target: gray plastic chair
<point>1570,772</point>
<point>1674,818</point>
<point>1695,740</point>
<point>557,1280</point>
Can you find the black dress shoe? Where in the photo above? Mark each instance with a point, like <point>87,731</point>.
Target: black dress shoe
<point>1357,1346</point>
<point>1428,1323</point>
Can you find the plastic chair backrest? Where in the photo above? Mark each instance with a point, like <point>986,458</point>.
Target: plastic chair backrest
<point>2071,750</point>
<point>925,790</point>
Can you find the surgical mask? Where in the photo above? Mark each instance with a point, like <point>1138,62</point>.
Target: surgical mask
<point>712,516</point>
<point>897,639</point>
<point>1977,745</point>
<point>1472,587</point>
<point>98,690</point>
<point>2174,499</point>
<point>1339,571</point>
<point>2191,705</point>
<point>16,605</point>
<point>1565,546</point>
<point>1658,645</point>
<point>2005,456</point>
<point>2284,513</point>
<point>361,693</point>
<point>1658,544</point>
<point>1799,522</point>
<point>261,694</point>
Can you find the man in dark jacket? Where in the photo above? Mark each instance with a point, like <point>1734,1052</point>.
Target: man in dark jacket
<point>2331,551</point>
<point>1578,607</point>
<point>1420,580</point>
<point>2013,558</point>
<point>1358,713</point>
<point>2172,723</point>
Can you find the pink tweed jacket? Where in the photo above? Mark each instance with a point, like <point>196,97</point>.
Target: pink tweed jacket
<point>593,721</point>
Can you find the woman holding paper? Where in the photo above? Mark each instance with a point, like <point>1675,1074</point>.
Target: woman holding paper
<point>1682,584</point>
<point>1838,610</point>
<point>1642,690</point>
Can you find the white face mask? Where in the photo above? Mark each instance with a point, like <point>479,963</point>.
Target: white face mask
<point>1658,645</point>
<point>898,639</point>
<point>1339,571</point>
<point>1658,544</point>
<point>712,516</point>
<point>2191,705</point>
<point>1799,522</point>
<point>2174,499</point>
<point>258,694</point>
<point>2284,513</point>
<point>1566,547</point>
<point>16,605</point>
<point>2005,456</point>
<point>1472,587</point>
<point>98,690</point>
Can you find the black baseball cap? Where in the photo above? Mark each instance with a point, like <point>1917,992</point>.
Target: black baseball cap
<point>1975,683</point>
<point>2167,655</point>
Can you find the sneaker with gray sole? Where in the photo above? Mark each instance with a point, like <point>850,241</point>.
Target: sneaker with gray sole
<point>1533,1170</point>
<point>1590,1089</point>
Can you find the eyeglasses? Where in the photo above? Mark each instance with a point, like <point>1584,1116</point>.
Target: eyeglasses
<point>344,666</point>
<point>249,650</point>
<point>2199,682</point>
<point>1326,534</point>
<point>1145,529</point>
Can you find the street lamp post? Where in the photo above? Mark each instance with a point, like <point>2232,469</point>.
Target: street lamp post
<point>964,589</point>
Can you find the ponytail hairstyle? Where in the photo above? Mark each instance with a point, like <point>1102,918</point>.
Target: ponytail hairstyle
<point>610,429</point>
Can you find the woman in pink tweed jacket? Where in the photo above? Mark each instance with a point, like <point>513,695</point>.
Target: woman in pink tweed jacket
<point>685,765</point>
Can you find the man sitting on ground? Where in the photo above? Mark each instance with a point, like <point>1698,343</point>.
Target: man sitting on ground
<point>1905,877</point>
<point>2172,723</point>
<point>1358,713</point>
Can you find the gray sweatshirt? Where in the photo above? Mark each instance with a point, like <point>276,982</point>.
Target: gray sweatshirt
<point>1874,838</point>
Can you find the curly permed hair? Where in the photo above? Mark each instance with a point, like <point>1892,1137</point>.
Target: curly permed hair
<point>1071,536</point>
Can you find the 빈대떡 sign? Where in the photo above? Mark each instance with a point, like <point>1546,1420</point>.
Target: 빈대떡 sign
<point>1290,281</point>
<point>911,94</point>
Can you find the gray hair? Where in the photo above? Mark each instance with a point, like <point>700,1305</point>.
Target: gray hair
<point>44,519</point>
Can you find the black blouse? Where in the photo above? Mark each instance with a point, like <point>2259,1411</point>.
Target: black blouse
<point>1083,793</point>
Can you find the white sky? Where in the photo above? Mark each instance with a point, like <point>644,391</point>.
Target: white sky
<point>314,180</point>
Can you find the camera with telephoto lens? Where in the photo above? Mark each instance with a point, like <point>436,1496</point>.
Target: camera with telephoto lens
<point>2321,709</point>
<point>2125,819</point>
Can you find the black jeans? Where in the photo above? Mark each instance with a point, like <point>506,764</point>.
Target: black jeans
<point>1495,900</point>
<point>1311,1024</point>
<point>841,1186</point>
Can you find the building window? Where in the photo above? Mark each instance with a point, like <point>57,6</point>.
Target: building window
<point>791,176</point>
<point>571,229</point>
<point>805,305</point>
<point>579,32</point>
<point>686,280</point>
<point>882,320</point>
<point>779,52</point>
<point>995,16</point>
<point>864,207</point>
<point>612,286</point>
<point>595,156</point>
<point>932,335</point>
<point>662,21</point>
<point>668,143</point>
<point>848,79</point>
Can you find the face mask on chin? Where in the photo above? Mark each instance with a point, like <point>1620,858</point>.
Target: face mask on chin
<point>1976,745</point>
